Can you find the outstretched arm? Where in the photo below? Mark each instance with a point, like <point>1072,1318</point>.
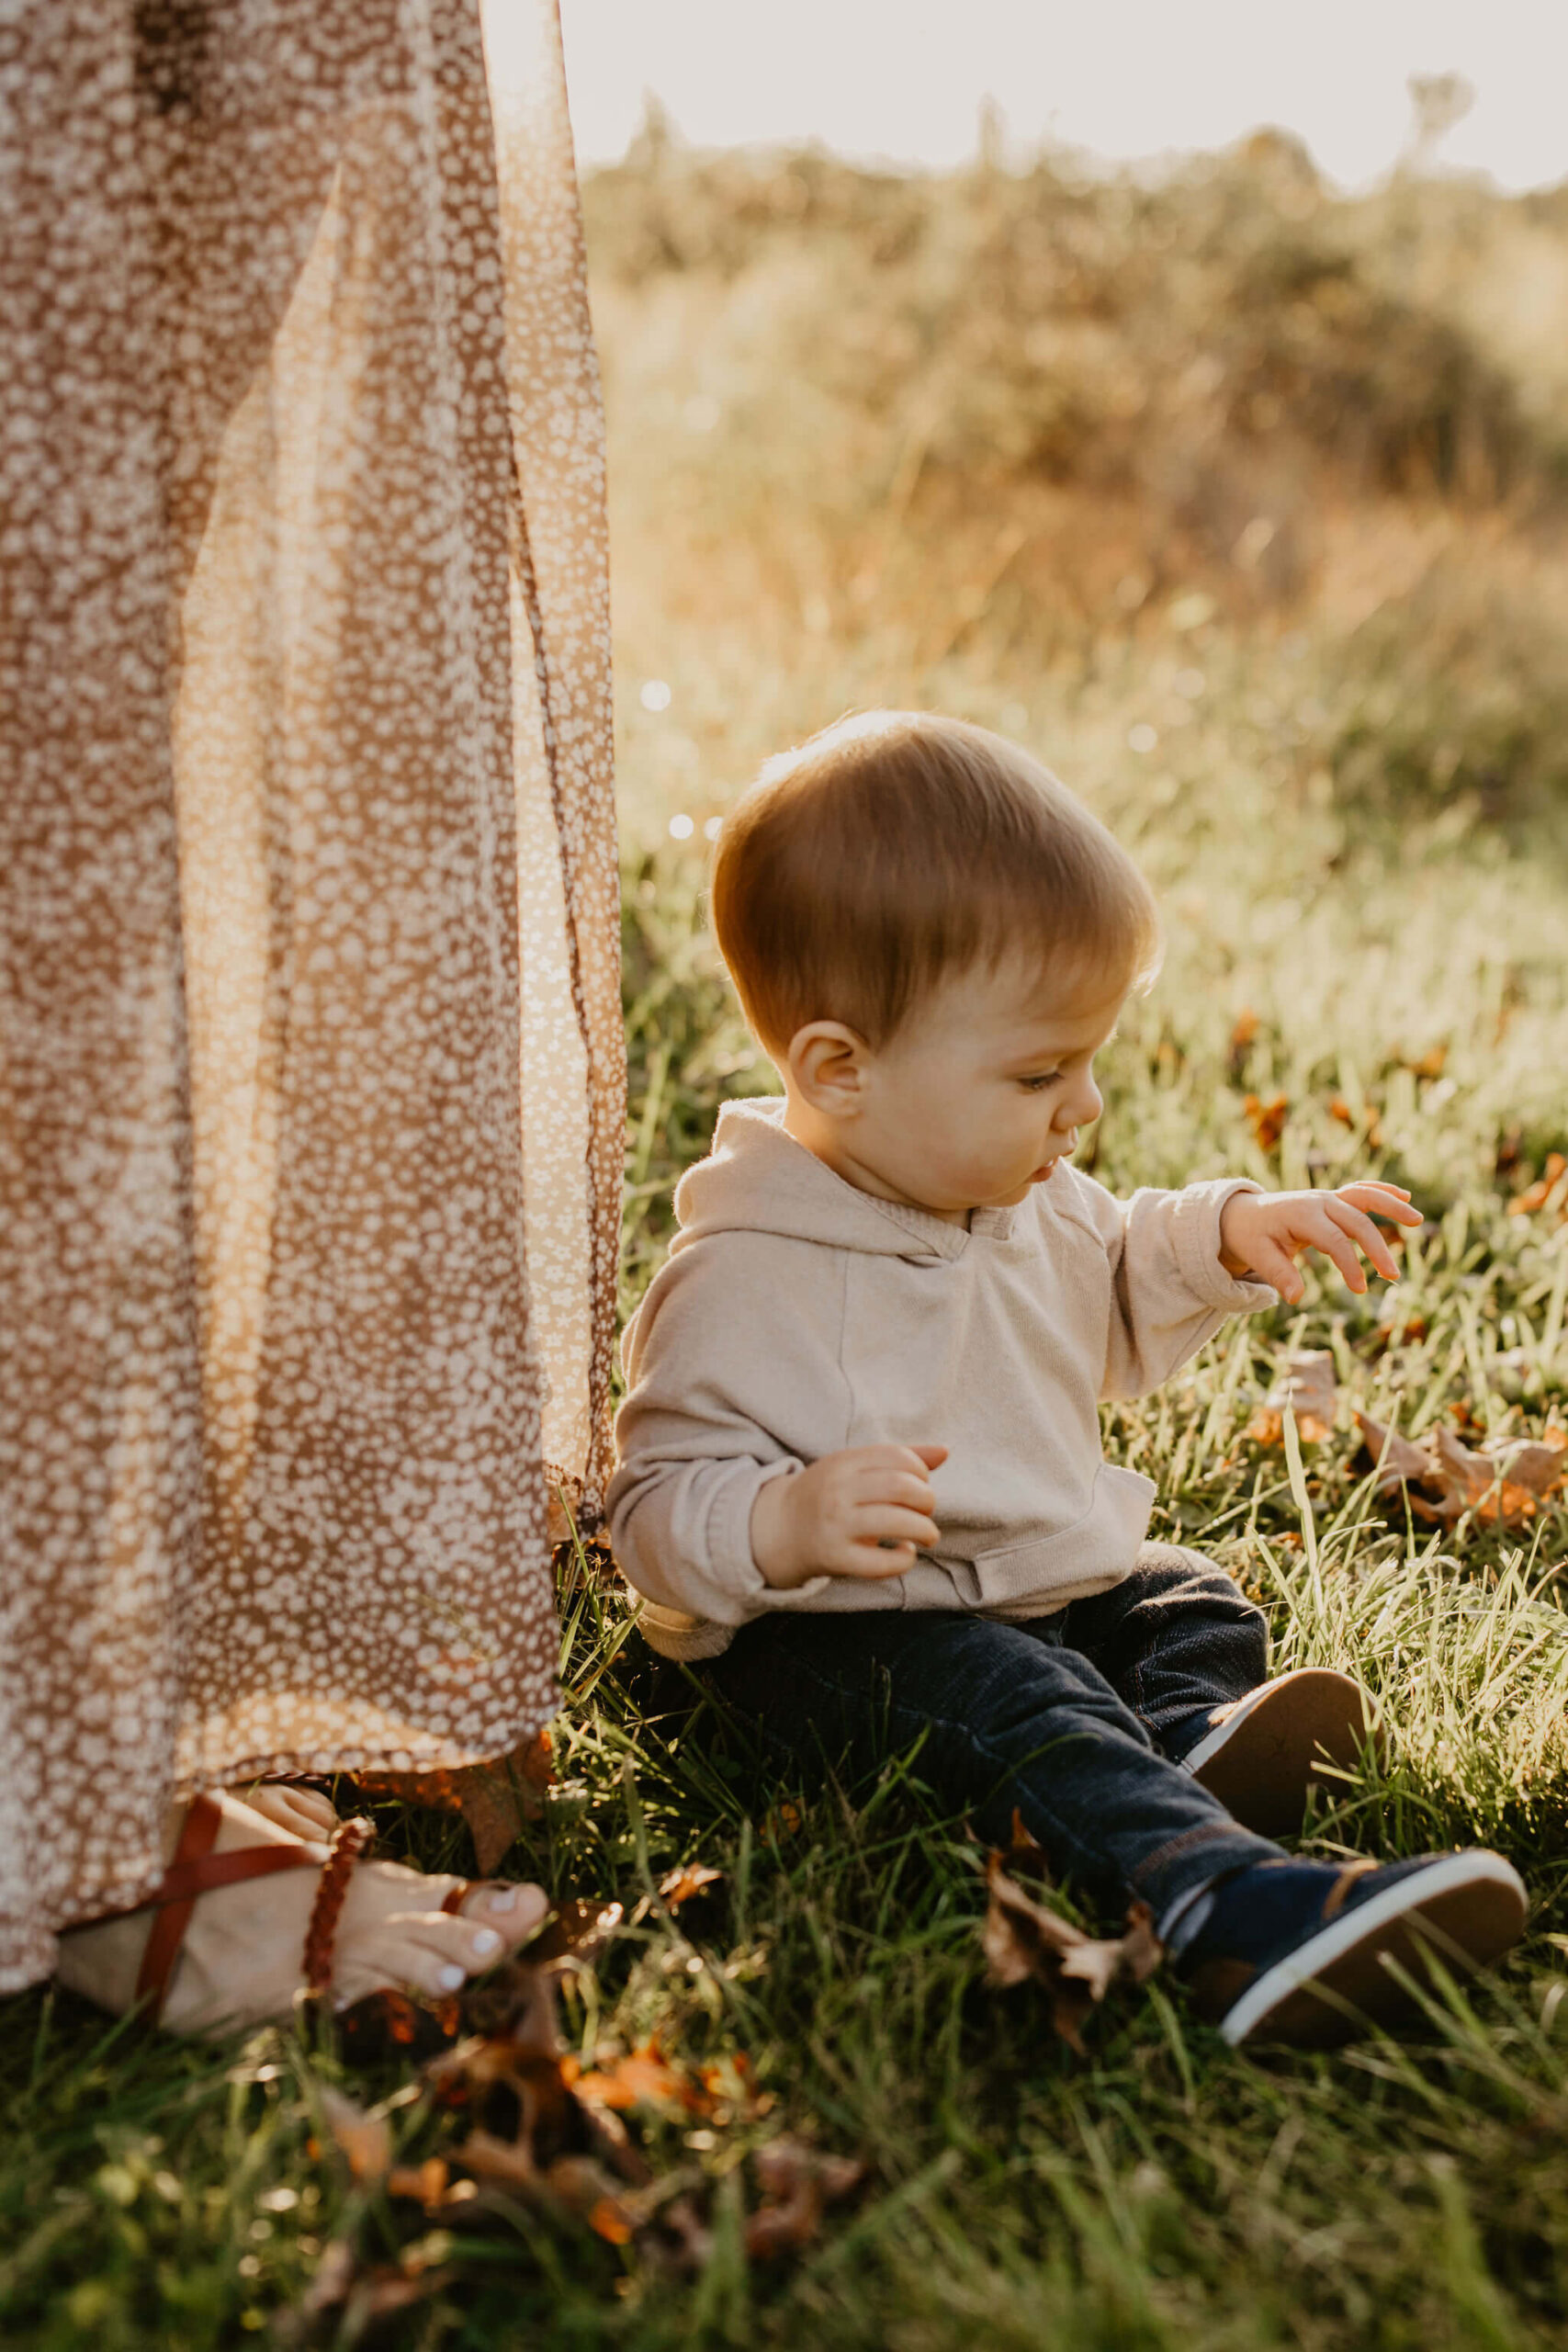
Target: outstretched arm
<point>1263,1234</point>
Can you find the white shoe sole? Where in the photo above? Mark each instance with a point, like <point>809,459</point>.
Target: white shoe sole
<point>1467,1909</point>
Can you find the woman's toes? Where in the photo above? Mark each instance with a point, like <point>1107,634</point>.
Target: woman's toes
<point>304,1813</point>
<point>465,1944</point>
<point>516,1911</point>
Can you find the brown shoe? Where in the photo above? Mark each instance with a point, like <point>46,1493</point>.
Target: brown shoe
<point>1265,1751</point>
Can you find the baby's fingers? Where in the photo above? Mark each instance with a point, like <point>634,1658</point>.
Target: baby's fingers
<point>907,1486</point>
<point>870,1559</point>
<point>1392,1200</point>
<point>1365,1236</point>
<point>1327,1234</point>
<point>886,1522</point>
<point>1274,1265</point>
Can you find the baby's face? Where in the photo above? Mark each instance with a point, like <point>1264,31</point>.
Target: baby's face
<point>981,1092</point>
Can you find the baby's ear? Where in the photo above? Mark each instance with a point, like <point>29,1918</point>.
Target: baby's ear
<point>827,1066</point>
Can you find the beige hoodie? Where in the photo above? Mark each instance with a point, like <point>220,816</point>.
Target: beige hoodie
<point>796,1314</point>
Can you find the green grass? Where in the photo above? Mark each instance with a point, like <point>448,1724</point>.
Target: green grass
<point>1163,2192</point>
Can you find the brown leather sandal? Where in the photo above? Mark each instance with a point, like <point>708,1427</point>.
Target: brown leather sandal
<point>195,1871</point>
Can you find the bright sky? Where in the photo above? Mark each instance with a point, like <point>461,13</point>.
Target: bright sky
<point>904,79</point>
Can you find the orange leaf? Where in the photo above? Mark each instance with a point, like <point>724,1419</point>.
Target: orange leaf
<point>1453,1480</point>
<point>1549,1191</point>
<point>1538,1467</point>
<point>365,2139</point>
<point>425,2184</point>
<point>1309,1389</point>
<point>679,1886</point>
<point>1267,1120</point>
<point>608,2218</point>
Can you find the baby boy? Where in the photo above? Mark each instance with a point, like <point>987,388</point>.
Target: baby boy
<point>860,1484</point>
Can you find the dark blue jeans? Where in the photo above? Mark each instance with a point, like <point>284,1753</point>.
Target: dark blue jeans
<point>1074,1719</point>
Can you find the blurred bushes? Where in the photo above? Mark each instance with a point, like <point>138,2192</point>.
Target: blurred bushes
<point>1084,329</point>
<point>1103,404</point>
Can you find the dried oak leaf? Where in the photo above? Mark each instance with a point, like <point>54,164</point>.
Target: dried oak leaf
<point>1539,1465</point>
<point>798,2182</point>
<point>1267,1120</point>
<point>1394,1458</point>
<point>426,2184</point>
<point>1307,1387</point>
<point>1549,1189</point>
<point>1022,1939</point>
<point>496,1798</point>
<point>644,2078</point>
<point>679,1886</point>
<point>1241,1034</point>
<point>1445,1480</point>
<point>579,1932</point>
<point>363,2296</point>
<point>365,2139</point>
<point>1465,1480</point>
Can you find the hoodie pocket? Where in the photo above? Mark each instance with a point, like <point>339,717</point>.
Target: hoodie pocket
<point>1096,1548</point>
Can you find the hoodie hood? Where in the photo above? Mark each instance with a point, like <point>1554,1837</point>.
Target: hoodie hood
<point>757,1178</point>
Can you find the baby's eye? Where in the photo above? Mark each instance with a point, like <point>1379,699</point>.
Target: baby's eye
<point>1037,1085</point>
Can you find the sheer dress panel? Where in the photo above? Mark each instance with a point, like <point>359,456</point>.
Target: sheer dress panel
<point>311,1063</point>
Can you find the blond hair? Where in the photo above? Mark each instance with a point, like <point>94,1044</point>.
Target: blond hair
<point>896,848</point>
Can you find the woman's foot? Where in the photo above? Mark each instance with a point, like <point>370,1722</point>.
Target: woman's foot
<point>1261,1755</point>
<point>240,1961</point>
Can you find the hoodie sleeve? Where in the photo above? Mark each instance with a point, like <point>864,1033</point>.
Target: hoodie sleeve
<point>721,1398</point>
<point>1170,1293</point>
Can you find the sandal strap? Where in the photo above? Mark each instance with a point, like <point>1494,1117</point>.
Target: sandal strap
<point>194,1871</point>
<point>348,1842</point>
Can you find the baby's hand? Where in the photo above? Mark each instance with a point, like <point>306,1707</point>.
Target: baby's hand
<point>1263,1234</point>
<point>864,1512</point>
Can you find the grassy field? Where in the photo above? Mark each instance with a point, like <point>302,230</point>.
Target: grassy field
<point>1006,448</point>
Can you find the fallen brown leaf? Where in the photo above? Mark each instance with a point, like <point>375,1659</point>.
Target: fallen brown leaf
<point>797,2181</point>
<point>1367,1117</point>
<point>498,1797</point>
<point>424,2183</point>
<point>1023,1938</point>
<point>578,1932</point>
<point>1307,1387</point>
<point>642,2079</point>
<point>1446,1480</point>
<point>365,2139</point>
<point>1241,1034</point>
<point>1549,1189</point>
<point>1394,1458</point>
<point>679,1886</point>
<point>1267,1120</point>
<point>1430,1064</point>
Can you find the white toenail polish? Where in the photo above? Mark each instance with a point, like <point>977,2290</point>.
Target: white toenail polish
<point>486,1941</point>
<point>447,1979</point>
<point>504,1899</point>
